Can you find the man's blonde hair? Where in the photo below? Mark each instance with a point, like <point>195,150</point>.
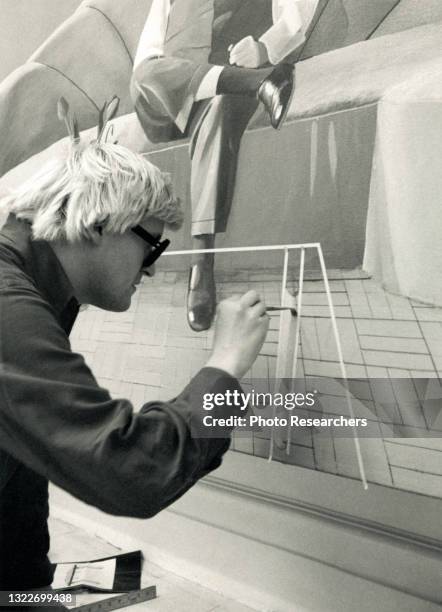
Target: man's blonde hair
<point>98,185</point>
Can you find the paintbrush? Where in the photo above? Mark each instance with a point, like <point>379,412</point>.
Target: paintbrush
<point>277,308</point>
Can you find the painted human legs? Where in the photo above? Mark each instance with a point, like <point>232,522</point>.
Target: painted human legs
<point>200,70</point>
<point>215,126</point>
<point>216,134</point>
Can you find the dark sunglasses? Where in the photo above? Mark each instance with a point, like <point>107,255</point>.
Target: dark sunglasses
<point>158,246</point>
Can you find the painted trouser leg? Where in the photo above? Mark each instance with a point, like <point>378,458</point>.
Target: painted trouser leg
<point>164,92</point>
<point>216,134</point>
<point>216,127</point>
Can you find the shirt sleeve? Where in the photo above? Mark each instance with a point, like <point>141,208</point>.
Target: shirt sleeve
<point>57,420</point>
<point>153,36</point>
<point>291,19</point>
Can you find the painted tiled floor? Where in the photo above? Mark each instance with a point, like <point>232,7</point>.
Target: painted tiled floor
<point>174,594</point>
<point>150,353</point>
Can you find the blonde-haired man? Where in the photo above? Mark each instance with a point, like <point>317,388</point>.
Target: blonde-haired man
<point>83,231</point>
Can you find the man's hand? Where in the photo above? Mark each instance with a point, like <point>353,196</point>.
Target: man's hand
<point>249,53</point>
<point>240,330</point>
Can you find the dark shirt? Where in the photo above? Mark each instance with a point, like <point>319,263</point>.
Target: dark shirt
<point>58,424</point>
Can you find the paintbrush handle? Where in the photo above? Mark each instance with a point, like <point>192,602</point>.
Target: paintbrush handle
<point>276,308</point>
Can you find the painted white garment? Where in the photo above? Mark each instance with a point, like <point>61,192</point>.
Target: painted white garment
<point>291,19</point>
<point>152,37</point>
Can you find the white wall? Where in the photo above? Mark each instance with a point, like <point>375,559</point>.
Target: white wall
<point>25,24</point>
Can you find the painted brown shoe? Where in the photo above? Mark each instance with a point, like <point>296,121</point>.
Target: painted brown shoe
<point>201,297</point>
<point>276,92</point>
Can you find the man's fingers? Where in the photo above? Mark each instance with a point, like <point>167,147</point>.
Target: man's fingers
<point>258,309</point>
<point>236,57</point>
<point>239,52</point>
<point>265,321</point>
<point>250,298</point>
<point>241,45</point>
<point>234,52</point>
<point>235,297</point>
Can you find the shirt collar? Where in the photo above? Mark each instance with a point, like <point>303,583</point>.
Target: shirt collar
<point>38,259</point>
